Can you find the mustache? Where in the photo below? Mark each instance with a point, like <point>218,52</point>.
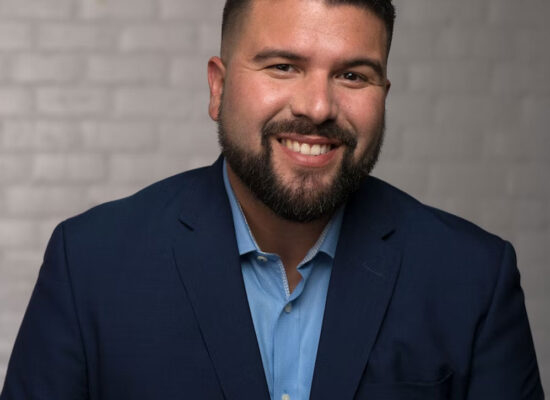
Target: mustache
<point>329,129</point>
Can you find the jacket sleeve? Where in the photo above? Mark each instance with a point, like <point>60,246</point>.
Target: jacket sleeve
<point>504,364</point>
<point>48,360</point>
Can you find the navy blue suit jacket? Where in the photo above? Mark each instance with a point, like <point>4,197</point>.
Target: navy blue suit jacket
<point>143,298</point>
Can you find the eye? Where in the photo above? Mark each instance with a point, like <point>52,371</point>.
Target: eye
<point>353,77</point>
<point>282,67</point>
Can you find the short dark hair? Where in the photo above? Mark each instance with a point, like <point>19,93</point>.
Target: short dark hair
<point>383,9</point>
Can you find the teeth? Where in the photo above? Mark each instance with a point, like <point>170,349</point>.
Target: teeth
<point>306,149</point>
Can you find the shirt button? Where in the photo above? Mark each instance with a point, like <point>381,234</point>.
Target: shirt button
<point>288,308</point>
<point>261,258</point>
<point>285,397</point>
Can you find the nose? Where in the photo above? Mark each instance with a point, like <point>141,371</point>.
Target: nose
<point>314,98</point>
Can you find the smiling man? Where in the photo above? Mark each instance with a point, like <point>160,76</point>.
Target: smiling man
<point>284,271</point>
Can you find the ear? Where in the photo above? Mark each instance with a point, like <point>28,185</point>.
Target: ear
<point>216,77</point>
<point>388,86</point>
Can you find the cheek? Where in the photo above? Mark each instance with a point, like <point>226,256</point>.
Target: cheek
<point>253,99</point>
<point>366,117</point>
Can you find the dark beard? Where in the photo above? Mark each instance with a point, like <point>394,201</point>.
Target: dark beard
<point>302,203</point>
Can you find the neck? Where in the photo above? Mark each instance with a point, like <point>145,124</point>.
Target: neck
<point>274,234</point>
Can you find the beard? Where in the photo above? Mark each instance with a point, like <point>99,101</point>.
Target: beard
<point>308,199</point>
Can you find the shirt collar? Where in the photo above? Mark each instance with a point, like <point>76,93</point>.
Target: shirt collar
<point>246,243</point>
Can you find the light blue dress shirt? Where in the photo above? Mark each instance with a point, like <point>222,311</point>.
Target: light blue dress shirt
<point>287,325</point>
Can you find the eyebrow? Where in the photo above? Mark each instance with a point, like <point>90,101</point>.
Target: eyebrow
<point>267,54</point>
<point>368,62</point>
<point>275,53</point>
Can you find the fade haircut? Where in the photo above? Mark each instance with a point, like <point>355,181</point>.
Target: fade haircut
<point>234,10</point>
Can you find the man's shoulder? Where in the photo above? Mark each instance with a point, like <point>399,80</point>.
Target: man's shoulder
<point>423,225</point>
<point>148,207</point>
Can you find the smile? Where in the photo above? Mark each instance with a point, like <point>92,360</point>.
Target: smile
<point>306,148</point>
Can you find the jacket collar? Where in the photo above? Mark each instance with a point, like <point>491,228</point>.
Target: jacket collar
<point>365,269</point>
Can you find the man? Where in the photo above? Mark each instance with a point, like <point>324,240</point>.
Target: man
<point>282,271</point>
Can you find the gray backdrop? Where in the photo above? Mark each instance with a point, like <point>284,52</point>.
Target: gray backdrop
<point>101,97</point>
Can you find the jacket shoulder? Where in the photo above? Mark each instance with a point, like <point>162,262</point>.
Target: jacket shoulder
<point>415,216</point>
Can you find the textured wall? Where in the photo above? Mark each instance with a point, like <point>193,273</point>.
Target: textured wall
<point>101,97</point>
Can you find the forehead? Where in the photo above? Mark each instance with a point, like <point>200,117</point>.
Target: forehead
<point>311,26</point>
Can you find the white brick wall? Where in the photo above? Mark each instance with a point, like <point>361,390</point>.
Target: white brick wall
<point>99,98</point>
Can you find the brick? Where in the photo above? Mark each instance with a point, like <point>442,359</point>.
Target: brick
<point>475,111</point>
<point>506,145</point>
<point>77,168</point>
<point>15,233</point>
<point>412,43</point>
<point>513,13</point>
<point>192,10</point>
<point>74,101</point>
<point>530,44</point>
<point>532,247</point>
<point>144,169</point>
<point>188,139</point>
<point>119,136</point>
<point>511,213</point>
<point>126,69</point>
<point>444,144</point>
<point>530,181</point>
<point>198,161</point>
<point>534,110</point>
<point>190,72</point>
<point>14,101</point>
<point>209,38</point>
<point>44,228</point>
<point>421,12</point>
<point>520,78</point>
<point>35,68</point>
<point>199,105</point>
<point>44,135</point>
<point>484,42</point>
<point>13,168</point>
<point>407,110</point>
<point>71,36</point>
<point>43,9</point>
<point>398,74</point>
<point>3,68</point>
<point>457,179</point>
<point>392,149</point>
<point>100,193</point>
<point>158,38</point>
<point>119,9</point>
<point>465,76</point>
<point>153,102</point>
<point>540,144</point>
<point>43,201</point>
<point>412,177</point>
<point>463,205</point>
<point>517,145</point>
<point>15,36</point>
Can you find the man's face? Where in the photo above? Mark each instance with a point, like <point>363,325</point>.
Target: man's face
<point>300,103</point>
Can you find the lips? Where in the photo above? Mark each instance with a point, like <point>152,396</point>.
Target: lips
<point>310,151</point>
<point>306,149</point>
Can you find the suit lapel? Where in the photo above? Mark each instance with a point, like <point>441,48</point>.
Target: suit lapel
<point>205,250</point>
<point>362,281</point>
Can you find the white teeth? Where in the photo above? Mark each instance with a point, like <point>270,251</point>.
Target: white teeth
<point>305,148</point>
<point>288,143</point>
